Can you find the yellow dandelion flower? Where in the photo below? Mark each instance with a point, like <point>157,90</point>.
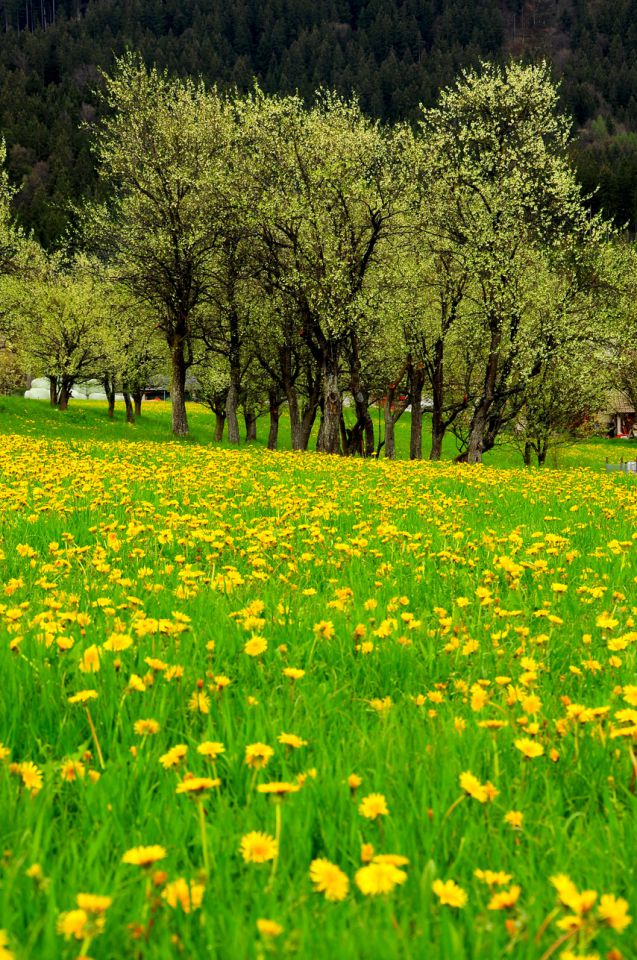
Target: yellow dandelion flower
<point>72,923</point>
<point>83,696</point>
<point>211,749</point>
<point>258,755</point>
<point>293,673</point>
<point>269,928</point>
<point>373,805</point>
<point>504,899</point>
<point>90,662</point>
<point>278,788</point>
<point>529,748</point>
<point>144,856</point>
<point>291,740</point>
<point>31,776</point>
<point>379,878</point>
<point>396,859</point>
<point>449,893</point>
<point>199,702</point>
<point>197,784</point>
<point>329,879</point>
<point>255,646</point>
<point>93,902</point>
<point>472,787</point>
<point>117,642</point>
<point>186,895</point>
<point>5,953</point>
<point>258,847</point>
<point>145,728</point>
<point>173,756</point>
<point>613,911</point>
<point>72,770</point>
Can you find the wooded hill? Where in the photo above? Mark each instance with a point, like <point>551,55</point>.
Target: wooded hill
<point>394,53</point>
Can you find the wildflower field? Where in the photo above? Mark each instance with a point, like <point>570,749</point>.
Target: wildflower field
<point>262,704</point>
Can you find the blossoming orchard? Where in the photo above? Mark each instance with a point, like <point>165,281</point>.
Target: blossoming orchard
<point>263,702</point>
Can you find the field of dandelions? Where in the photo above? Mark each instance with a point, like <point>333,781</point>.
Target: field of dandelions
<point>272,705</point>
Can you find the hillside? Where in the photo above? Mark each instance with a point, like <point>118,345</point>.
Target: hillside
<point>394,53</point>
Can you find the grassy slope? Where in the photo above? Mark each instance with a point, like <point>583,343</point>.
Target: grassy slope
<point>88,421</point>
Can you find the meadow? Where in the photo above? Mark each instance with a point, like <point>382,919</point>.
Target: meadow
<point>268,704</point>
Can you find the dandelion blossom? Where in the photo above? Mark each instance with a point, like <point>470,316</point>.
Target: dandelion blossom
<point>211,749</point>
<point>72,924</point>
<point>197,784</point>
<point>255,646</point>
<point>449,893</point>
<point>258,755</point>
<point>379,878</point>
<point>93,902</point>
<point>291,740</point>
<point>373,805</point>
<point>5,953</point>
<point>329,879</point>
<point>269,928</point>
<point>173,756</point>
<point>529,748</point>
<point>613,911</point>
<point>182,894</point>
<point>144,856</point>
<point>279,788</point>
<point>258,847</point>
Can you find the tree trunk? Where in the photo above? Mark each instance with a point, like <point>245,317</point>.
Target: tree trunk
<point>232,403</point>
<point>438,425</point>
<point>178,389</point>
<point>307,423</point>
<point>234,393</point>
<point>128,403</point>
<point>295,418</point>
<point>63,397</point>
<point>109,390</point>
<point>250,419</point>
<point>370,447</point>
<point>138,396</point>
<point>542,451</point>
<point>53,391</point>
<point>310,409</point>
<point>480,417</point>
<point>329,435</point>
<point>527,453</point>
<point>390,423</point>
<point>415,439</point>
<point>275,413</point>
<point>220,423</point>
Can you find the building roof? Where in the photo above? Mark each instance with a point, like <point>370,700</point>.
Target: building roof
<point>618,402</point>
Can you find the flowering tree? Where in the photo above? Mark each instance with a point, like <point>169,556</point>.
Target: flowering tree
<point>327,186</point>
<point>494,151</point>
<point>161,151</point>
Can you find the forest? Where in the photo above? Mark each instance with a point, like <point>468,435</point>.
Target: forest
<point>393,54</point>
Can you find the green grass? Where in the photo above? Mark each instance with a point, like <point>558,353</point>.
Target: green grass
<point>448,572</point>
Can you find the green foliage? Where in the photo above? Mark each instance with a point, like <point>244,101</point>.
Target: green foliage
<point>59,316</point>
